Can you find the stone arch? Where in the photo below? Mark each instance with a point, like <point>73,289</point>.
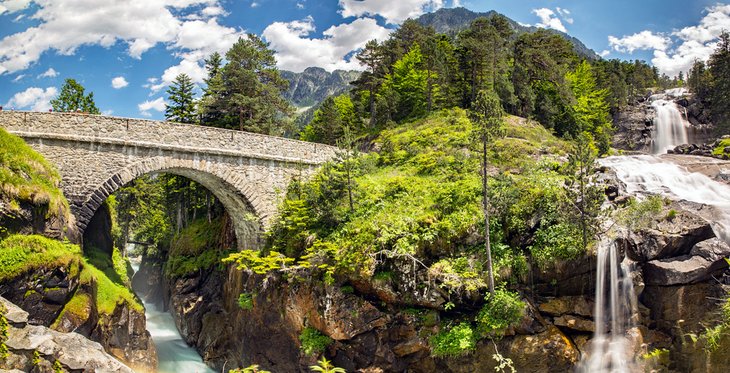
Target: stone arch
<point>241,200</point>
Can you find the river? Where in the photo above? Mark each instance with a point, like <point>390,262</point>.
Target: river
<point>174,355</point>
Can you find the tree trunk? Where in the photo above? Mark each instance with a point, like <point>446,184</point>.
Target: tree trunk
<point>486,215</point>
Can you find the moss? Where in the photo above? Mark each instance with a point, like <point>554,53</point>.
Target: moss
<point>79,307</point>
<point>313,341</point>
<point>108,293</point>
<point>720,148</point>
<point>20,254</point>
<point>196,248</point>
<point>26,176</point>
<point>454,342</point>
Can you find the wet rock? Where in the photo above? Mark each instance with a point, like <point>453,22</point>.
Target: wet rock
<point>683,308</point>
<point>705,258</point>
<point>576,323</point>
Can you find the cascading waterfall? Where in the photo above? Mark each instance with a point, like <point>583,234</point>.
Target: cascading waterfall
<point>671,126</point>
<point>610,349</point>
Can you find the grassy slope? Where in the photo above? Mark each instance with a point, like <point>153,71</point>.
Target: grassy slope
<point>26,176</point>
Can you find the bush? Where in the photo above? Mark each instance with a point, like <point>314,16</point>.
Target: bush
<point>502,310</point>
<point>313,341</point>
<point>245,301</point>
<point>454,342</point>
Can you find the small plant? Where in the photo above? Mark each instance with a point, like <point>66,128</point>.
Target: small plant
<point>249,369</point>
<point>313,341</point>
<point>504,364</point>
<point>347,289</point>
<point>3,333</point>
<point>671,214</point>
<point>325,366</point>
<point>502,310</point>
<point>57,367</point>
<point>455,342</point>
<point>36,358</point>
<point>245,301</point>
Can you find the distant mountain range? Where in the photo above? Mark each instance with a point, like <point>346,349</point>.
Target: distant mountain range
<point>452,20</point>
<point>314,84</point>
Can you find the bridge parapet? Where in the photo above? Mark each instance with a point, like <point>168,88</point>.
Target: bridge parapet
<point>165,135</point>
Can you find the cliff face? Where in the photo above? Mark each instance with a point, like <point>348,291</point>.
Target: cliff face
<point>314,84</point>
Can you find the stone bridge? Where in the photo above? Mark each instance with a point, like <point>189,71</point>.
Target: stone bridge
<point>96,155</point>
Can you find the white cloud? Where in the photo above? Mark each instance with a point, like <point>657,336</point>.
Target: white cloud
<point>254,4</point>
<point>456,3</point>
<point>119,82</point>
<point>565,15</point>
<point>689,44</point>
<point>50,73</point>
<point>548,19</point>
<point>64,26</point>
<point>641,40</point>
<point>393,12</point>
<point>157,104</point>
<point>295,51</point>
<point>19,78</point>
<point>12,6</point>
<point>194,69</point>
<point>604,53</point>
<point>300,5</point>
<point>33,98</point>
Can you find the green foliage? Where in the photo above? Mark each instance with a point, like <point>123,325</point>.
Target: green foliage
<point>502,310</point>
<point>313,341</point>
<point>504,365</point>
<point>671,214</point>
<point>458,274</point>
<point>246,93</point>
<point>26,176</point>
<point>3,332</point>
<point>181,106</point>
<point>249,369</point>
<point>257,262</point>
<point>325,366</point>
<point>36,358</point>
<point>455,342</point>
<point>335,115</point>
<point>657,356</point>
<point>590,111</point>
<point>639,214</point>
<point>108,292</point>
<point>720,148</point>
<point>197,247</point>
<point>245,301</point>
<point>72,99</point>
<point>557,241</point>
<point>57,367</point>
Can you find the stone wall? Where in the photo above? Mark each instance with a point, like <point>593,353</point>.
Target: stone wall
<point>96,155</point>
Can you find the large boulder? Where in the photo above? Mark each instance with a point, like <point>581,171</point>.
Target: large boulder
<point>683,308</point>
<point>705,258</point>
<point>72,351</point>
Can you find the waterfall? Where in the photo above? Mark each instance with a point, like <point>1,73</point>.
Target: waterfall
<point>671,126</point>
<point>610,349</point>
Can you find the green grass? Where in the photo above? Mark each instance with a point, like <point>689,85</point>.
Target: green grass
<point>20,254</point>
<point>24,253</point>
<point>26,176</point>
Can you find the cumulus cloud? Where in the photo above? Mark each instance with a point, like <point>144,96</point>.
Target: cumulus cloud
<point>119,82</point>
<point>64,26</point>
<point>296,51</point>
<point>194,69</point>
<point>641,40</point>
<point>548,19</point>
<point>33,98</point>
<point>394,12</point>
<point>157,104</point>
<point>12,6</point>
<point>50,73</point>
<point>677,51</point>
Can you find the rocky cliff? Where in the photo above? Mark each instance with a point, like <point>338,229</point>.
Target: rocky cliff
<point>314,84</point>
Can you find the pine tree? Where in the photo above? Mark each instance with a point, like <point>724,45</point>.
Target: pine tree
<point>209,107</point>
<point>72,99</point>
<point>486,116</point>
<point>253,87</point>
<point>182,104</point>
<point>372,58</point>
<point>719,67</point>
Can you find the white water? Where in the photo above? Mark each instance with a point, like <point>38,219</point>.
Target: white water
<point>173,354</point>
<point>670,123</point>
<point>610,349</point>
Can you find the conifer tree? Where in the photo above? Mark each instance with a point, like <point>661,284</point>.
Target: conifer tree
<point>181,107</point>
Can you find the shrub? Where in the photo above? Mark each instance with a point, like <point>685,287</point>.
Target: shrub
<point>313,341</point>
<point>454,342</point>
<point>502,310</point>
<point>245,301</point>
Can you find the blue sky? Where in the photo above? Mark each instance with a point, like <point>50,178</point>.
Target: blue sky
<point>128,51</point>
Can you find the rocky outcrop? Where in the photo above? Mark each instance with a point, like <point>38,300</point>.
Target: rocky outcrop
<point>634,125</point>
<point>34,348</point>
<point>46,293</point>
<point>705,258</point>
<point>27,218</point>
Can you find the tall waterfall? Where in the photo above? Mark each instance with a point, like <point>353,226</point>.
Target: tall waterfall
<point>671,125</point>
<point>610,349</point>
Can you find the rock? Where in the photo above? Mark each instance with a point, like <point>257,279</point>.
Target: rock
<point>704,259</point>
<point>74,351</point>
<point>575,305</point>
<point>575,323</point>
<point>667,238</point>
<point>682,309</point>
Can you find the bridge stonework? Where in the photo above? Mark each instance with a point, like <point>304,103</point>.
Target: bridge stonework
<point>96,155</point>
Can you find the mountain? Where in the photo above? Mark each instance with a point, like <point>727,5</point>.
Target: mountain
<point>452,20</point>
<point>314,84</point>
